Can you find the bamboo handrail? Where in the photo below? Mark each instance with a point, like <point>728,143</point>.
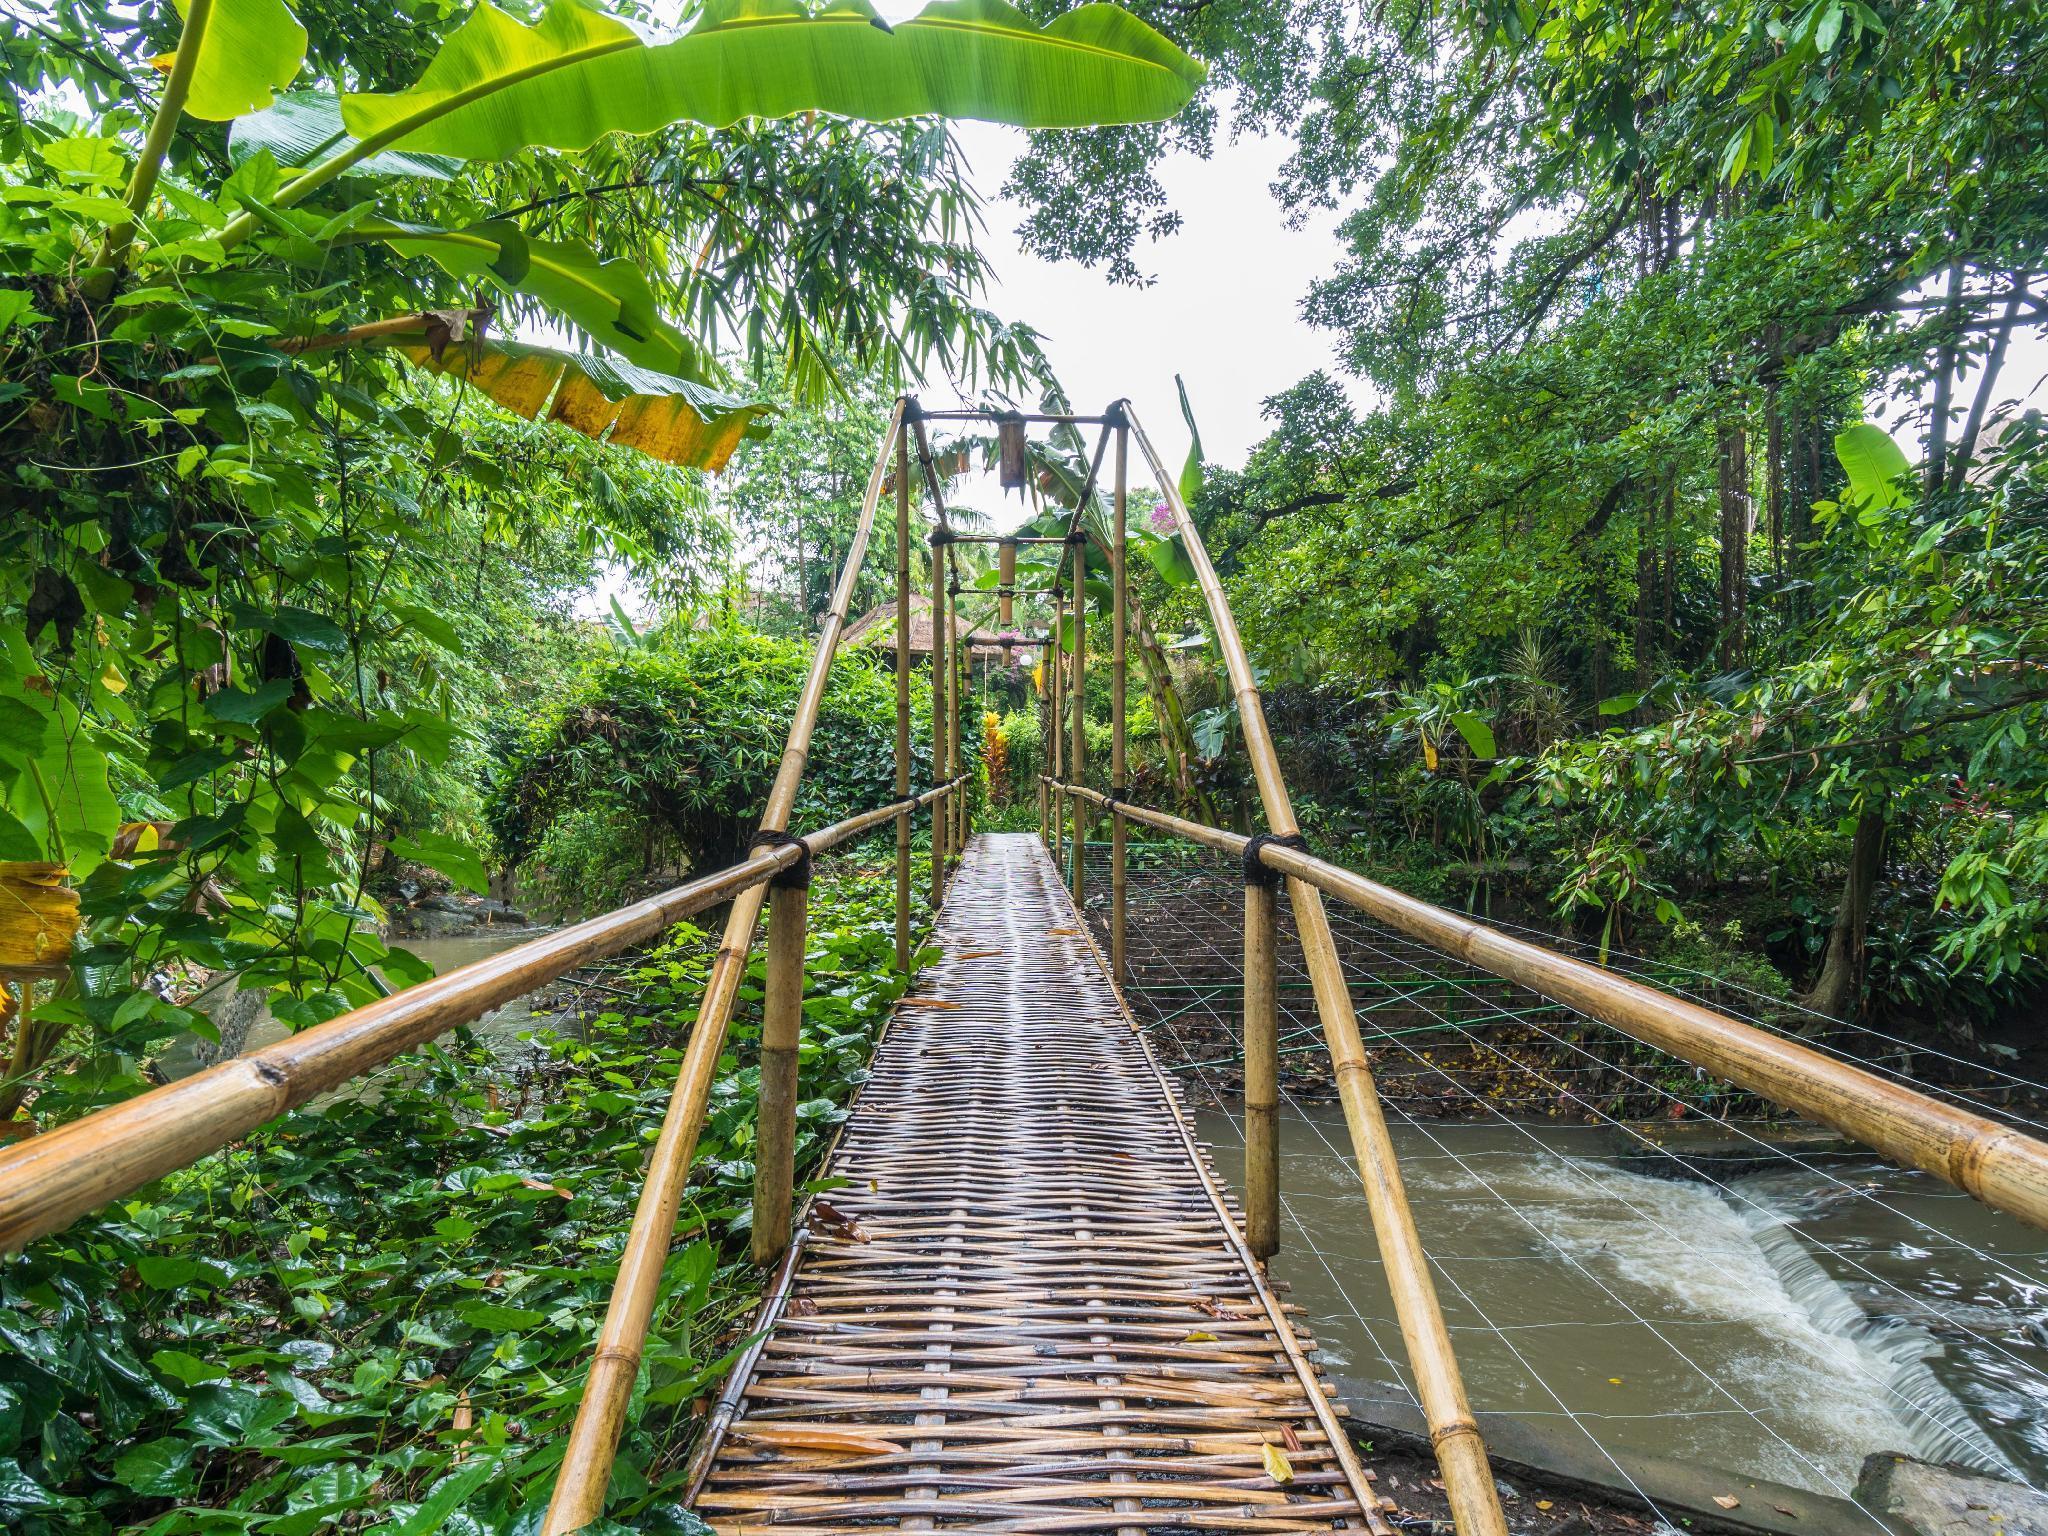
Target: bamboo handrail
<point>585,1477</point>
<point>1994,1163</point>
<point>1454,1433</point>
<point>49,1181</point>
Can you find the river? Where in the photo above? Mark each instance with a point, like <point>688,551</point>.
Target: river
<point>499,1029</point>
<point>1781,1323</point>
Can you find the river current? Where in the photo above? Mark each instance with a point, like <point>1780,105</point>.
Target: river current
<point>1781,1320</point>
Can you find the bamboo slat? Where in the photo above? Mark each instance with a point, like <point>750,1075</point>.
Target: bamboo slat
<point>1028,1307</point>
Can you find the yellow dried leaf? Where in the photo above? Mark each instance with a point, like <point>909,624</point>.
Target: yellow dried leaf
<point>1429,754</point>
<point>38,915</point>
<point>815,1437</point>
<point>1278,1467</point>
<point>1543,1503</point>
<point>1727,1501</point>
<point>1199,1337</point>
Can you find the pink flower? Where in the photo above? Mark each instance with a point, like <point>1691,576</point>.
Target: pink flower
<point>1162,519</point>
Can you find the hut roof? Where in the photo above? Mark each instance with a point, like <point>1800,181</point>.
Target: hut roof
<point>877,628</point>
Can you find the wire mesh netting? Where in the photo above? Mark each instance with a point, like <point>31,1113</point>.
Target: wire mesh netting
<point>1639,1263</point>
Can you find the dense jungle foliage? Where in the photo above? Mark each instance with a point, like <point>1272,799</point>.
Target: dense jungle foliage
<point>1613,602</point>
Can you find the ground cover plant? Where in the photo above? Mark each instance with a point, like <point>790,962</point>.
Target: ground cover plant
<point>377,1310</point>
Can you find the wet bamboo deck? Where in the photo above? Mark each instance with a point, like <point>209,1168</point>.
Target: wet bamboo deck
<point>1029,1309</point>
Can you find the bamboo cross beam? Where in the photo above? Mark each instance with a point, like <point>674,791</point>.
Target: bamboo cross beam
<point>49,1181</point>
<point>1460,1448</point>
<point>2003,1167</point>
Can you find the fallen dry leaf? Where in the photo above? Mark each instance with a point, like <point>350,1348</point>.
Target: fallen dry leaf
<point>1727,1501</point>
<point>1278,1467</point>
<point>1540,1503</point>
<point>1290,1439</point>
<point>979,954</point>
<point>926,1002</point>
<point>809,1437</point>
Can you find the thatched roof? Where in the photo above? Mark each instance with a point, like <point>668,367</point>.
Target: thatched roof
<point>877,629</point>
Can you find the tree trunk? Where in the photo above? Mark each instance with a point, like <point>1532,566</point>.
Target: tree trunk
<point>1838,992</point>
<point>1732,461</point>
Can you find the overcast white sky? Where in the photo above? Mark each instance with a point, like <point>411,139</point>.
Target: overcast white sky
<point>1224,312</point>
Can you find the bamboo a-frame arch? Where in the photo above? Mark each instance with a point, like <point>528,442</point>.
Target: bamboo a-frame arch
<point>48,1181</point>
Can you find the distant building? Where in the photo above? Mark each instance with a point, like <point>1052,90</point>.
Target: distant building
<point>986,649</point>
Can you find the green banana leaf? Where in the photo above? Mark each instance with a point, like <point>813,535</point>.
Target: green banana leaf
<point>247,50</point>
<point>674,420</point>
<point>611,300</point>
<point>302,126</point>
<point>499,86</point>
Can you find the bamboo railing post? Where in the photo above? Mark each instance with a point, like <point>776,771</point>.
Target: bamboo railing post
<point>1261,1063</point>
<point>960,656</point>
<point>1460,1448</point>
<point>1056,719</point>
<point>585,1477</point>
<point>782,1012</point>
<point>1077,755</point>
<point>903,696</point>
<point>1006,583</point>
<point>1118,678</point>
<point>941,814</point>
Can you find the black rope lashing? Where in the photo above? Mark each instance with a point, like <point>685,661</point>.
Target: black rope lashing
<point>1115,797</point>
<point>798,875</point>
<point>939,536</point>
<point>1076,536</point>
<point>1256,870</point>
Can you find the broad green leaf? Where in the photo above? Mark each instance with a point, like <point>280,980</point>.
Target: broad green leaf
<point>159,1468</point>
<point>247,50</point>
<point>1191,471</point>
<point>303,126</point>
<point>611,300</point>
<point>498,1319</point>
<point>499,86</point>
<point>1872,462</point>
<point>667,418</point>
<point>1169,558</point>
<point>1477,733</point>
<point>450,856</point>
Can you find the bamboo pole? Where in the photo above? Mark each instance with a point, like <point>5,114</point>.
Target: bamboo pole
<point>961,657</point>
<point>940,678</point>
<point>1006,583</point>
<point>1994,1163</point>
<point>1460,1448</point>
<point>581,1486</point>
<point>902,696</point>
<point>1261,1068</point>
<point>1077,753</point>
<point>1118,681</point>
<point>782,1013</point>
<point>49,1181</point>
<point>1056,674</point>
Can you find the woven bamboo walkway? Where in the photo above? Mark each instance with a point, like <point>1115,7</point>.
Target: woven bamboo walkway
<point>1029,1309</point>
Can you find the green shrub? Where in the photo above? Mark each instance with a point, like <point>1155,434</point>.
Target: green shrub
<point>682,741</point>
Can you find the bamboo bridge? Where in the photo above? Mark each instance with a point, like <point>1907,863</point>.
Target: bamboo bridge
<point>1031,1306</point>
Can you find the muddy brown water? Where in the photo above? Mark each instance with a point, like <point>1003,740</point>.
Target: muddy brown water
<point>1781,1321</point>
<point>499,1030</point>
